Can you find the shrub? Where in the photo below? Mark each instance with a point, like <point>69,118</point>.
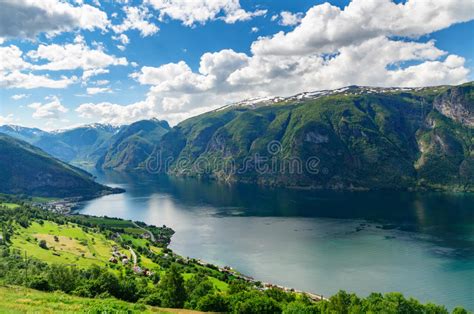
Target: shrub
<point>42,244</point>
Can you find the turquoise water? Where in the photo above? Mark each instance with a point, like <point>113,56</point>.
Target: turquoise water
<point>421,244</point>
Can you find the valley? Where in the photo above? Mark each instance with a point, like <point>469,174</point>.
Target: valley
<point>354,138</point>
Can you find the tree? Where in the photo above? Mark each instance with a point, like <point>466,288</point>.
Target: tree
<point>237,286</point>
<point>459,310</point>
<point>171,288</point>
<point>42,244</point>
<point>279,295</point>
<point>40,283</point>
<point>213,303</point>
<point>106,282</point>
<point>128,290</point>
<point>63,278</point>
<point>203,288</point>
<point>257,305</point>
<point>6,233</point>
<point>298,307</point>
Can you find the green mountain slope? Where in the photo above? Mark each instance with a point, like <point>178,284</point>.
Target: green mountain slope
<point>132,145</point>
<point>25,169</point>
<point>352,138</point>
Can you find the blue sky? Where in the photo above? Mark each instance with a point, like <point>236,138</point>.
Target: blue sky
<point>121,61</point>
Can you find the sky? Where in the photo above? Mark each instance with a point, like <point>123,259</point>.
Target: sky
<point>68,63</point>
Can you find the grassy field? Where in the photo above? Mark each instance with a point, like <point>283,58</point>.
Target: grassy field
<point>9,205</point>
<point>218,284</point>
<point>72,244</point>
<point>135,241</point>
<point>14,299</point>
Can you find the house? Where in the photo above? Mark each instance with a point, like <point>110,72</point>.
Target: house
<point>148,273</point>
<point>137,269</point>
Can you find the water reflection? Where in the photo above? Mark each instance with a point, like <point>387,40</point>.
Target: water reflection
<point>446,217</point>
<point>320,241</point>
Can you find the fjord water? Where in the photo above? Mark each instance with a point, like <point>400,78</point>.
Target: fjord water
<point>421,244</point>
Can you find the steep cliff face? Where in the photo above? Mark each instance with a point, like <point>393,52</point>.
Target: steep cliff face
<point>351,138</point>
<point>457,103</point>
<point>132,145</point>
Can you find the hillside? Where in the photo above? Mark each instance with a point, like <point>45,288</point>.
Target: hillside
<point>132,145</point>
<point>351,138</point>
<point>16,299</point>
<point>81,146</point>
<point>25,169</point>
<point>348,138</point>
<point>99,264</point>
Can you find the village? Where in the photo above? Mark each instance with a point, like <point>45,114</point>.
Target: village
<point>63,206</point>
<point>125,260</point>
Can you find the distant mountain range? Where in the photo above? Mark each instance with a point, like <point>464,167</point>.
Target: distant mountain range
<point>26,169</point>
<point>81,146</point>
<point>349,138</point>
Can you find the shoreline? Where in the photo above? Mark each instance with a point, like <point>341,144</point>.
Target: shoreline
<point>68,205</point>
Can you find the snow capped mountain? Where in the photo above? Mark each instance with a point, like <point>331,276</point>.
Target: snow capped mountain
<point>21,132</point>
<point>111,128</point>
<point>346,91</point>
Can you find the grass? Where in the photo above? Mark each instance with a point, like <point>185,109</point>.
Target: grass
<point>39,199</point>
<point>155,249</point>
<point>135,241</point>
<point>74,245</point>
<point>218,284</point>
<point>10,205</point>
<point>14,299</point>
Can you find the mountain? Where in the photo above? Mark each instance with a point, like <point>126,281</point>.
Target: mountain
<point>22,133</point>
<point>81,146</point>
<point>133,144</point>
<point>26,169</point>
<point>350,138</point>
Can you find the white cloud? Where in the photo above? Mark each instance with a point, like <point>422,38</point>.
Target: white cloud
<point>202,11</point>
<point>98,90</point>
<point>122,38</point>
<point>51,110</point>
<point>254,29</point>
<point>11,75</point>
<point>290,19</point>
<point>87,74</point>
<point>28,18</point>
<point>137,18</point>
<point>73,56</point>
<point>325,28</point>
<point>17,79</point>
<point>6,119</point>
<point>330,48</point>
<point>102,82</point>
<point>12,59</point>
<point>19,96</point>
<point>116,114</point>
